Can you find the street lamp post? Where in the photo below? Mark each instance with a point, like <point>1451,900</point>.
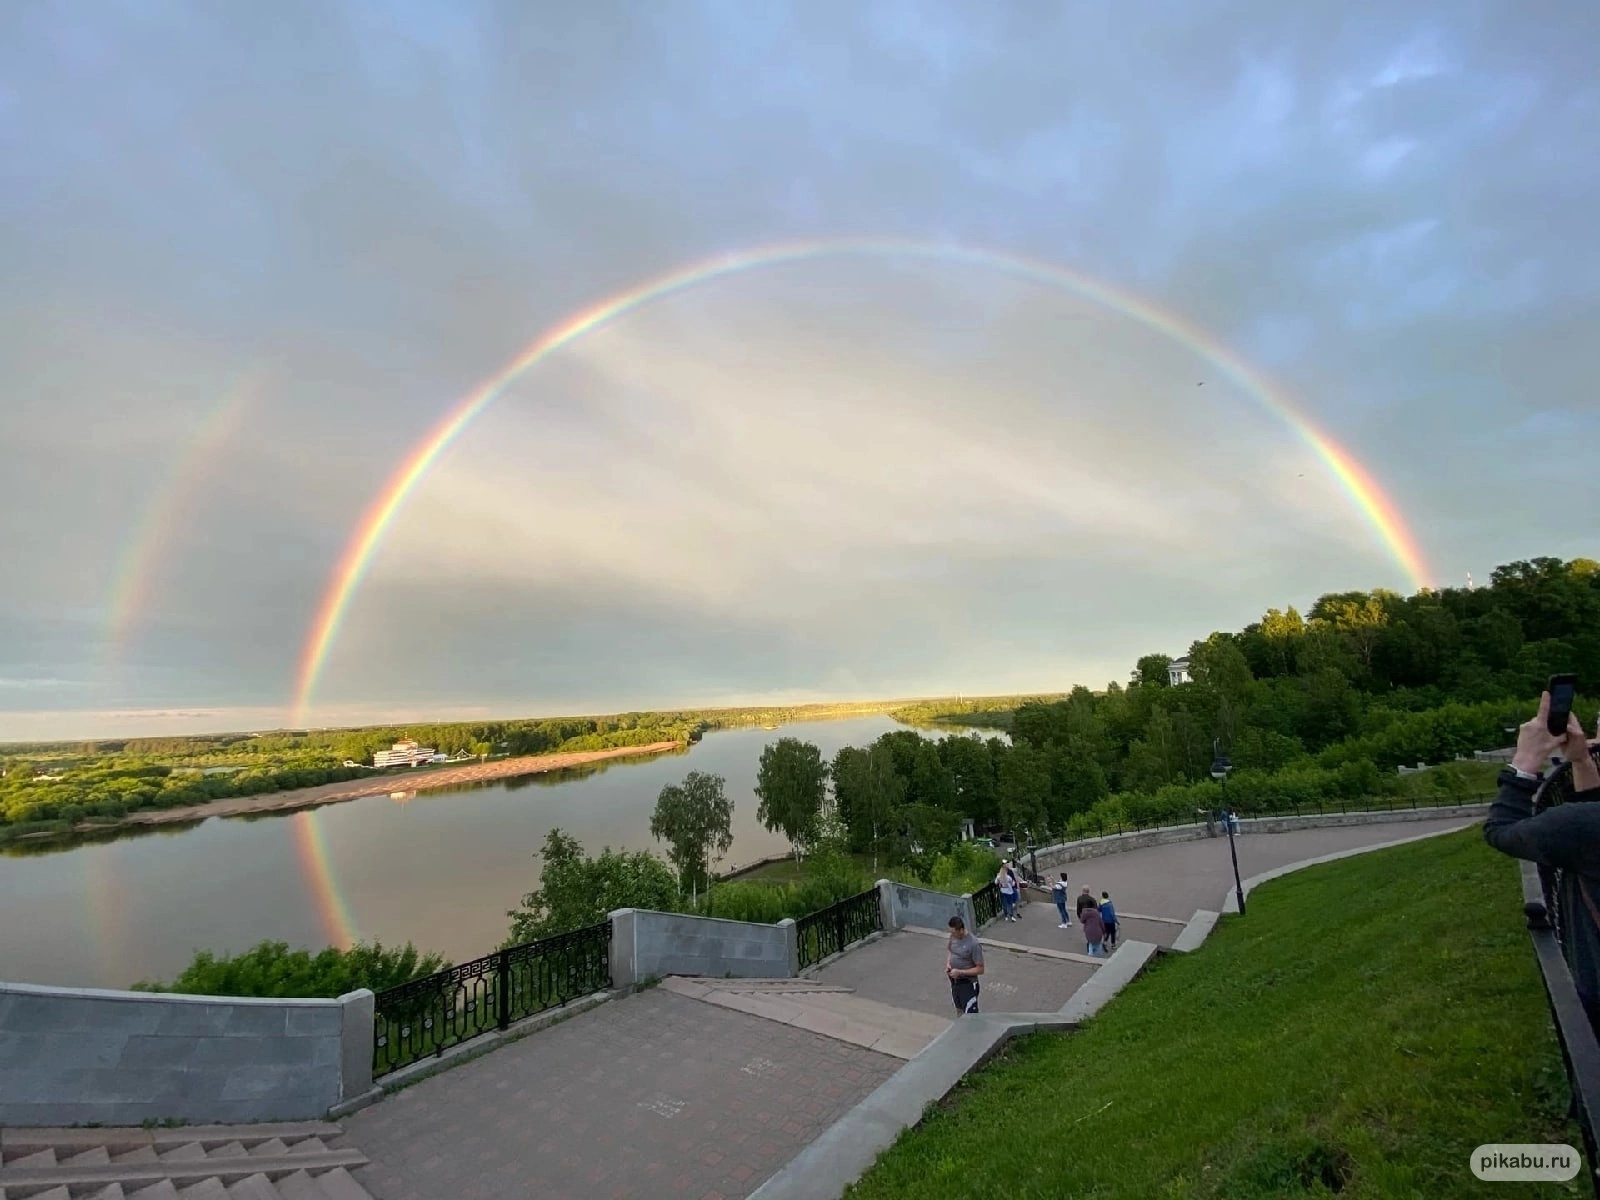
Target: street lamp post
<point>1220,767</point>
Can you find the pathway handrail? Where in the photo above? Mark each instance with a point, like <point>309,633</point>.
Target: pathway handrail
<point>986,904</point>
<point>429,1015</point>
<point>1580,1048</point>
<point>831,930</point>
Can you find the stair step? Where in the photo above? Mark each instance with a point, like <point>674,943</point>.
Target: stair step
<point>111,1191</point>
<point>160,1190</point>
<point>39,1158</point>
<point>254,1187</point>
<point>55,1193</point>
<point>181,1171</point>
<point>139,1154</point>
<point>186,1152</point>
<point>91,1157</point>
<point>311,1145</point>
<point>271,1148</point>
<point>339,1184</point>
<point>206,1189</point>
<point>228,1150</point>
<point>299,1186</point>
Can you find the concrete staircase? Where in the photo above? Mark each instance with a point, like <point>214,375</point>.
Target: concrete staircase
<point>821,1008</point>
<point>209,1162</point>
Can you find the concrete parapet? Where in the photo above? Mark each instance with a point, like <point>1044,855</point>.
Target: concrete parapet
<point>909,905</point>
<point>1196,931</point>
<point>824,1169</point>
<point>649,945</point>
<point>1119,970</point>
<point>71,1056</point>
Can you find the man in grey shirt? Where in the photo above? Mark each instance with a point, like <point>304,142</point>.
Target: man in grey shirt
<point>962,966</point>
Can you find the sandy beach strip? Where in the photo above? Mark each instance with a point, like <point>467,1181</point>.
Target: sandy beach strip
<point>379,785</point>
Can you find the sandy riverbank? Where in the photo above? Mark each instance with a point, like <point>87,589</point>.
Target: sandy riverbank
<point>379,785</point>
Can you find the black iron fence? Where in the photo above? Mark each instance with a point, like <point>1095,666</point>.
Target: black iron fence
<point>986,904</point>
<point>830,930</point>
<point>1098,827</point>
<point>1580,1047</point>
<point>429,1015</point>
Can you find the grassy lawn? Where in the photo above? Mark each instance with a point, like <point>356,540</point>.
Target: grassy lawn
<point>1359,1033</point>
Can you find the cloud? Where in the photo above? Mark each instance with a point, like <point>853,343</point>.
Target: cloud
<point>843,474</point>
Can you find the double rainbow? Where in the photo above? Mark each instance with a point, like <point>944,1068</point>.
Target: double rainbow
<point>353,563</point>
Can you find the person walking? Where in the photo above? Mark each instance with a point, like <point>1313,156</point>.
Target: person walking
<point>1058,893</point>
<point>1007,882</point>
<point>1086,901</point>
<point>963,964</point>
<point>1108,918</point>
<point>1094,930</point>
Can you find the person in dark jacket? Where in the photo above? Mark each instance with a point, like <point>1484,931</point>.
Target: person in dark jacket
<point>1566,836</point>
<point>1086,901</point>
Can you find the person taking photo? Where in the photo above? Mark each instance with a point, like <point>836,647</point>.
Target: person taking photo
<point>1566,837</point>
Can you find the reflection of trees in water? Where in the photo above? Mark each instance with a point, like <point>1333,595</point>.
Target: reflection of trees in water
<point>59,843</point>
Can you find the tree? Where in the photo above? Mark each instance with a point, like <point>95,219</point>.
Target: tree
<point>695,819</point>
<point>1151,671</point>
<point>1024,792</point>
<point>575,890</point>
<point>791,783</point>
<point>972,774</point>
<point>870,793</point>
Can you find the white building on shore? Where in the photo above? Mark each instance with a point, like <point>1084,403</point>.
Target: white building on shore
<point>404,754</point>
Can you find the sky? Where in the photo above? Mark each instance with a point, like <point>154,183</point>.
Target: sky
<point>252,256</point>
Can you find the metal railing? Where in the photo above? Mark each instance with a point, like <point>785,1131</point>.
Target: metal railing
<point>831,930</point>
<point>1102,828</point>
<point>429,1015</point>
<point>986,904</point>
<point>1580,1048</point>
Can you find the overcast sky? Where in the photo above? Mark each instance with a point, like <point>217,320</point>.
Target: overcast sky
<point>251,254</point>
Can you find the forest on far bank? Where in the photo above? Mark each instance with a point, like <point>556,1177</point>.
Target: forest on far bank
<point>1313,708</point>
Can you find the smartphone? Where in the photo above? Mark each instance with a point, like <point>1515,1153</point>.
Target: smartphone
<point>1563,691</point>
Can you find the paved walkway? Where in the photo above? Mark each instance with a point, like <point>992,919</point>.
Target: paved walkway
<point>652,1095</point>
<point>662,1094</point>
<point>907,970</point>
<point>1175,880</point>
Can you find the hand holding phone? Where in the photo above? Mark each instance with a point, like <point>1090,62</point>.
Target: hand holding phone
<point>1563,692</point>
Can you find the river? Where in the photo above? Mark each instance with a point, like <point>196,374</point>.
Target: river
<point>438,869</point>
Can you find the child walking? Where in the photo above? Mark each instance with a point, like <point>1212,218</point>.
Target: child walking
<point>1108,918</point>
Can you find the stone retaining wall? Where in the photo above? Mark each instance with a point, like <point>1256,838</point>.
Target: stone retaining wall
<point>908,905</point>
<point>1116,843</point>
<point>75,1056</point>
<point>651,945</point>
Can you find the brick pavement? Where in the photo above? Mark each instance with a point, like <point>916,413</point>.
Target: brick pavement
<point>651,1095</point>
<point>907,971</point>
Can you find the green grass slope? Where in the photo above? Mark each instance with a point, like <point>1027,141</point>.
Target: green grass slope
<point>1365,1027</point>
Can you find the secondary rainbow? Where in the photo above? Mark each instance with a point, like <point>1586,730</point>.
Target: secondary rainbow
<point>1364,491</point>
<point>152,534</point>
<point>332,911</point>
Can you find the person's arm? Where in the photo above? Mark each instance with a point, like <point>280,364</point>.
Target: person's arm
<point>977,963</point>
<point>1567,836</point>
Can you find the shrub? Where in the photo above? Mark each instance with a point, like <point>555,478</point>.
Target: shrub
<point>272,969</point>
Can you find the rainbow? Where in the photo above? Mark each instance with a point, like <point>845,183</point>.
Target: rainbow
<point>1378,509</point>
<point>152,533</point>
<point>332,911</point>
